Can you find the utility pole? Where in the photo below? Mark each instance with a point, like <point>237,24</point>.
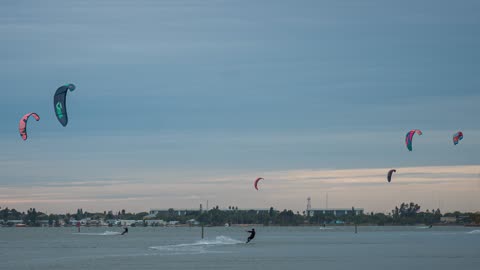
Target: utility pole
<point>355,219</point>
<point>326,203</point>
<point>309,206</point>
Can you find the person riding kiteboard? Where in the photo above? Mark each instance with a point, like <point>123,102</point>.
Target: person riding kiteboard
<point>252,235</point>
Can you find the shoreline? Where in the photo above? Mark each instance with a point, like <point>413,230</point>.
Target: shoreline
<point>249,225</point>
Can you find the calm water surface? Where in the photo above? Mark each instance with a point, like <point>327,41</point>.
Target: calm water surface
<point>224,248</point>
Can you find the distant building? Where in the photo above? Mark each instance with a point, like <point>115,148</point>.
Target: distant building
<point>130,222</point>
<point>187,212</point>
<point>150,216</point>
<point>111,222</point>
<point>155,222</point>
<point>337,212</point>
<point>14,222</point>
<point>257,211</point>
<point>175,212</point>
<point>43,223</point>
<point>193,222</point>
<point>448,220</point>
<point>94,223</point>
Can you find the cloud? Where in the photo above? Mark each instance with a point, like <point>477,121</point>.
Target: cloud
<point>281,189</point>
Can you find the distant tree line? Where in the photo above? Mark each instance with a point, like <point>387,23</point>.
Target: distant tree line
<point>36,218</point>
<point>404,214</point>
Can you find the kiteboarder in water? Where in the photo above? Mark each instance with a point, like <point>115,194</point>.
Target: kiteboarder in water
<point>252,235</point>
<point>125,231</point>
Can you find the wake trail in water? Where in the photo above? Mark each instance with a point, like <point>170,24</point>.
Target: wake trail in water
<point>474,232</point>
<point>198,247</point>
<point>105,233</point>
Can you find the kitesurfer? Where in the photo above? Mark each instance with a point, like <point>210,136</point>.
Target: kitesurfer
<point>252,235</point>
<point>125,231</point>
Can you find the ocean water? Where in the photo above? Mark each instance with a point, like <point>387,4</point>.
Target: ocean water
<point>415,247</point>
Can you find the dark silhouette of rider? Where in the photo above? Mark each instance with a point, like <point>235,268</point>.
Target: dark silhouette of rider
<point>125,231</point>
<point>252,235</point>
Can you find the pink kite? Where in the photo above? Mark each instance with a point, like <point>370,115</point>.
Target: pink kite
<point>256,182</point>
<point>22,126</point>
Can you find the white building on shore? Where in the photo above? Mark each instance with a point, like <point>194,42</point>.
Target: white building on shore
<point>337,212</point>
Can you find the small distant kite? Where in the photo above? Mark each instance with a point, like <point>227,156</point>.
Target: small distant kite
<point>409,137</point>
<point>457,137</point>
<point>389,176</point>
<point>256,182</point>
<point>59,103</point>
<point>22,126</point>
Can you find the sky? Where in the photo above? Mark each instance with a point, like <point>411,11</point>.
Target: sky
<point>180,102</point>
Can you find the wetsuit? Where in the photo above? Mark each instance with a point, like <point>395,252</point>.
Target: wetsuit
<point>252,235</point>
<point>126,231</point>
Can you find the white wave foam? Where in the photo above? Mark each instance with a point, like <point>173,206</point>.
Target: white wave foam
<point>105,233</point>
<point>423,227</point>
<point>474,232</point>
<point>197,247</point>
<point>325,228</point>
